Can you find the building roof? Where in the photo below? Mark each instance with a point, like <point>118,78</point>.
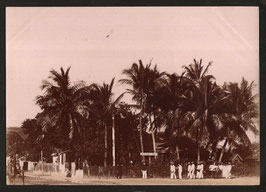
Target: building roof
<point>234,156</point>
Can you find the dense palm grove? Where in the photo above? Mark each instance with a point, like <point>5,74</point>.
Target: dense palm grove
<point>185,116</point>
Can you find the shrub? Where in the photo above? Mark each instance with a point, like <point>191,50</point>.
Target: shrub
<point>240,169</point>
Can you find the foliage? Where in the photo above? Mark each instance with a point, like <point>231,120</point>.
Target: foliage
<point>61,106</point>
<point>15,144</point>
<point>240,169</point>
<point>180,110</point>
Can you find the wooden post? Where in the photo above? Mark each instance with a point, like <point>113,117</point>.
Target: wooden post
<point>153,143</point>
<point>113,139</point>
<point>42,160</point>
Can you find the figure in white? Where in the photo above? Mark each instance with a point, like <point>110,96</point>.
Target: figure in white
<point>180,169</point>
<point>144,170</point>
<point>172,171</point>
<point>223,170</point>
<point>198,171</point>
<point>192,175</point>
<point>228,170</point>
<point>201,168</point>
<point>188,170</point>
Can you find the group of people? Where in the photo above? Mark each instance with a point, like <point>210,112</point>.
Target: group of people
<point>13,169</point>
<point>196,171</point>
<point>173,170</point>
<point>221,170</point>
<point>193,171</point>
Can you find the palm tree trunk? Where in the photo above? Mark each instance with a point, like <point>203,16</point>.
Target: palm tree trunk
<point>153,132</point>
<point>222,152</point>
<point>153,143</point>
<point>140,125</point>
<point>113,139</point>
<point>214,145</point>
<point>198,156</point>
<point>71,131</point>
<point>198,145</point>
<point>140,135</point>
<point>208,144</point>
<point>230,147</point>
<point>71,147</point>
<point>105,145</point>
<point>177,152</point>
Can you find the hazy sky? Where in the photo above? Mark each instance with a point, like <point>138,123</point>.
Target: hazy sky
<point>41,39</point>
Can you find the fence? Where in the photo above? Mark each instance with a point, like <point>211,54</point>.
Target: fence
<point>47,168</point>
<point>109,171</point>
<point>162,171</point>
<point>127,172</point>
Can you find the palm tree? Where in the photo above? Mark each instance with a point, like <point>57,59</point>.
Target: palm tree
<point>61,106</point>
<point>205,103</point>
<point>168,100</point>
<point>103,107</point>
<point>242,112</point>
<point>143,81</point>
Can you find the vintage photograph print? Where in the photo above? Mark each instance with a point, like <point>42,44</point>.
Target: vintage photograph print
<point>132,96</point>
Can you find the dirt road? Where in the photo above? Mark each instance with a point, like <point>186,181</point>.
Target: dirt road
<point>49,180</point>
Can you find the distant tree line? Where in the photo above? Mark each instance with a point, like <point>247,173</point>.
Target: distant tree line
<point>179,110</point>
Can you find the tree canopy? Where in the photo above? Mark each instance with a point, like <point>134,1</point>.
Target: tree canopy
<point>178,111</point>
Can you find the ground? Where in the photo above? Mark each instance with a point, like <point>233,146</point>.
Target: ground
<point>37,179</point>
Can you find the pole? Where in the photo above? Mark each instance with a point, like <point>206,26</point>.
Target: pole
<point>153,143</point>
<point>113,139</point>
<point>42,160</point>
<point>140,131</point>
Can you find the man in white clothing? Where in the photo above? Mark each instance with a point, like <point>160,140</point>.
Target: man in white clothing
<point>201,168</point>
<point>228,170</point>
<point>180,169</point>
<point>192,175</point>
<point>144,169</point>
<point>222,170</point>
<point>188,170</point>
<point>172,171</point>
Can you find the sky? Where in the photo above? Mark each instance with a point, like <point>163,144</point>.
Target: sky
<point>99,42</point>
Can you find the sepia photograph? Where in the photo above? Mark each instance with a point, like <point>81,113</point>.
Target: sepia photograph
<point>132,96</point>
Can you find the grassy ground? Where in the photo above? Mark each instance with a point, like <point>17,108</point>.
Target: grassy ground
<point>31,179</point>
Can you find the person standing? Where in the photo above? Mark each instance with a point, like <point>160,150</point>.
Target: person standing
<point>100,172</point>
<point>172,171</point>
<point>188,170</point>
<point>192,175</point>
<point>85,169</point>
<point>144,170</point>
<point>201,168</point>
<point>198,171</point>
<point>222,169</point>
<point>228,170</point>
<point>68,172</point>
<point>180,170</point>
<point>131,172</point>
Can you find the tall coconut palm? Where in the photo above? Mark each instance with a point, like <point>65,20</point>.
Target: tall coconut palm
<point>143,81</point>
<point>206,102</point>
<point>243,110</point>
<point>61,105</point>
<point>169,99</point>
<point>103,107</point>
